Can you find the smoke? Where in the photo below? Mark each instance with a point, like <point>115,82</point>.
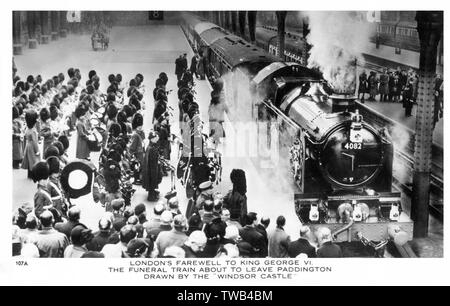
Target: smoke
<point>338,38</point>
<point>400,138</point>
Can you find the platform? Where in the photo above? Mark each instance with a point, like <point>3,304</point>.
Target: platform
<point>148,50</point>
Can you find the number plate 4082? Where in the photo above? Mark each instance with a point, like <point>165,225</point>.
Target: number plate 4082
<point>352,146</point>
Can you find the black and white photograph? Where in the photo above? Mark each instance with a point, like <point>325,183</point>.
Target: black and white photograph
<point>216,146</point>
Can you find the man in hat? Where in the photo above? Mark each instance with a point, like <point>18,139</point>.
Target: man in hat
<point>79,236</point>
<point>174,206</point>
<point>174,237</point>
<point>127,233</point>
<point>51,243</point>
<point>253,237</point>
<point>54,186</point>
<point>207,213</point>
<point>73,220</point>
<point>302,244</point>
<point>408,96</point>
<point>151,175</point>
<point>184,62</point>
<point>166,225</point>
<point>102,236</point>
<point>206,192</point>
<point>155,219</point>
<point>195,244</point>
<point>117,206</point>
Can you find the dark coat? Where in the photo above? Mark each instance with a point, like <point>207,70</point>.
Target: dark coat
<point>151,174</point>
<point>255,239</point>
<point>329,250</point>
<point>178,66</point>
<point>164,136</point>
<point>189,253</point>
<point>299,246</point>
<point>82,141</point>
<point>194,63</point>
<point>66,227</point>
<point>237,205</point>
<point>184,64</point>
<point>261,229</point>
<point>98,242</point>
<point>362,83</point>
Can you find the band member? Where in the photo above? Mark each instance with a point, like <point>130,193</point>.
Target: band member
<point>54,186</point>
<point>31,152</point>
<point>45,130</point>
<point>42,197</point>
<point>112,175</point>
<point>151,174</point>
<point>17,139</point>
<point>82,150</point>
<point>136,148</point>
<point>163,128</point>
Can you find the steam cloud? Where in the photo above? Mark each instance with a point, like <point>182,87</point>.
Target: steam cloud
<point>338,39</point>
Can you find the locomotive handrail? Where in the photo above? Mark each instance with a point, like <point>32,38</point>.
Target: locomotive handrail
<point>343,229</point>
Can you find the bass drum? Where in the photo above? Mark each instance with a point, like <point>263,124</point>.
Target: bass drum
<point>76,178</point>
<point>95,141</point>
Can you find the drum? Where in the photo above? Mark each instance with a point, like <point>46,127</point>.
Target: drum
<point>95,141</point>
<point>76,178</point>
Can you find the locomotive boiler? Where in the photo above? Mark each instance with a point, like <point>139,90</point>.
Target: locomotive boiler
<point>341,165</point>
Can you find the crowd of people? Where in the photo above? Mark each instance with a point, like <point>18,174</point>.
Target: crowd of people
<point>399,86</point>
<point>47,113</point>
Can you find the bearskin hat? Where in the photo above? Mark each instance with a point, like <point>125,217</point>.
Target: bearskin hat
<point>128,111</point>
<point>118,78</point>
<point>159,83</point>
<point>111,111</point>
<point>91,74</point>
<point>51,151</point>
<point>80,111</point>
<point>121,117</point>
<point>115,129</point>
<point>59,146</point>
<point>53,112</point>
<point>111,78</point>
<point>111,89</point>
<point>31,118</point>
<point>90,89</point>
<point>138,120</point>
<point>64,140</point>
<point>53,165</point>
<point>163,77</point>
<point>30,79</point>
<point>71,72</point>
<point>133,83</point>
<point>40,171</point>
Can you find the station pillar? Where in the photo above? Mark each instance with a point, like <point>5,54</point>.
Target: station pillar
<point>45,27</point>
<point>242,19</point>
<point>251,15</point>
<point>55,24</point>
<point>281,28</point>
<point>234,21</point>
<point>31,23</point>
<point>430,27</point>
<point>63,24</point>
<point>17,33</point>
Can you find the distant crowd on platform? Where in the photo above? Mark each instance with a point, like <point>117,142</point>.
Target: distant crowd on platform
<point>46,113</point>
<point>398,86</point>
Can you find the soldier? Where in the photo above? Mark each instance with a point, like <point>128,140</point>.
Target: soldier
<point>408,95</point>
<point>362,89</point>
<point>54,187</point>
<point>194,65</point>
<point>42,197</point>
<point>31,151</point>
<point>151,176</point>
<point>384,86</point>
<point>136,148</point>
<point>179,67</point>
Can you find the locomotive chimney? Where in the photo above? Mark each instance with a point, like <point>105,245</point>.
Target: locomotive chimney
<point>342,102</point>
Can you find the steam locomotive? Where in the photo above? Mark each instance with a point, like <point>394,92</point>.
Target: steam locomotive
<point>341,166</point>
